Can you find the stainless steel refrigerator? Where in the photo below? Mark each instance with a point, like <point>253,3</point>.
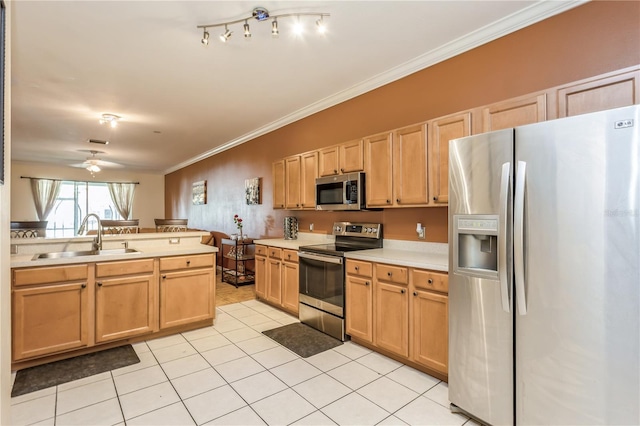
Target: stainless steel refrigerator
<point>544,272</point>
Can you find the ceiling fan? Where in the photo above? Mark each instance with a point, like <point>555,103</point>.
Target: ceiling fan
<point>94,164</point>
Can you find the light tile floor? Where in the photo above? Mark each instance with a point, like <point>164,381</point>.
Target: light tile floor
<point>231,374</point>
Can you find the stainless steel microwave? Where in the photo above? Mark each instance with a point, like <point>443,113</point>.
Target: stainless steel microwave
<point>341,192</point>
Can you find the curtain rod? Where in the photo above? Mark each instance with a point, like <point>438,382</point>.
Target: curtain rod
<point>72,180</point>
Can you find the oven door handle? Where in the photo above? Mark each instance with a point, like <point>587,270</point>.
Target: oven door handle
<point>320,258</point>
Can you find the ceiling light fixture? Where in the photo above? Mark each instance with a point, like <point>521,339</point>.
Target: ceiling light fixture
<point>112,119</point>
<point>261,14</point>
<point>92,163</point>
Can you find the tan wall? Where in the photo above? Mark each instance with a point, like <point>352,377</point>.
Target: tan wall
<point>592,39</point>
<point>148,202</point>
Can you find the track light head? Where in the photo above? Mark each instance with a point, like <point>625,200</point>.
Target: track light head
<point>298,29</point>
<point>225,36</point>
<point>274,28</point>
<point>247,31</point>
<point>205,38</point>
<point>322,28</point>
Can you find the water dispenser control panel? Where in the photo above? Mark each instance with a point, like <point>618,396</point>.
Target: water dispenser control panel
<point>475,240</point>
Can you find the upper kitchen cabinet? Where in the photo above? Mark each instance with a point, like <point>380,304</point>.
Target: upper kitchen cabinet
<point>613,90</point>
<point>278,184</point>
<point>396,168</point>
<point>514,112</point>
<point>300,173</point>
<point>442,130</point>
<point>344,158</point>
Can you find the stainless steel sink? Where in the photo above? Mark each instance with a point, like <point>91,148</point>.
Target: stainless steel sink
<point>63,254</point>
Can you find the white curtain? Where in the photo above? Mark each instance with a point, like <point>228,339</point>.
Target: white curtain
<point>45,193</point>
<point>122,196</point>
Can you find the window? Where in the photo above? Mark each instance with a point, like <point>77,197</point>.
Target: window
<point>74,202</point>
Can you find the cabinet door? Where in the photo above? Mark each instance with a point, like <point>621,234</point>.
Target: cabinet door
<point>351,156</point>
<point>125,307</point>
<point>410,181</point>
<point>328,161</point>
<point>308,174</point>
<point>514,112</point>
<point>290,286</point>
<point>261,277</point>
<point>392,318</point>
<point>186,297</point>
<point>430,329</point>
<point>599,94</point>
<point>359,308</point>
<point>292,182</point>
<point>50,319</point>
<point>278,184</point>
<point>274,281</point>
<point>378,163</point>
<point>442,131</point>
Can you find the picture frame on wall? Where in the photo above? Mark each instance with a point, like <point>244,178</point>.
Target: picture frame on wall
<point>252,191</point>
<point>199,193</point>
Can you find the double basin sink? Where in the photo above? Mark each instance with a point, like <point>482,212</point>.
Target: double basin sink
<point>65,254</point>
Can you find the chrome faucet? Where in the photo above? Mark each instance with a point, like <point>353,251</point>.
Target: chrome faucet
<point>97,244</point>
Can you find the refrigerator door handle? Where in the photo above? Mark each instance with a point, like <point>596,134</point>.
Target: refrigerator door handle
<point>503,269</point>
<point>518,237</point>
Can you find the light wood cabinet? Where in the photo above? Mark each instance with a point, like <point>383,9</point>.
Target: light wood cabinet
<point>126,302</point>
<point>51,310</point>
<point>612,90</point>
<point>308,175</point>
<point>514,112</point>
<point>391,311</point>
<point>410,160</point>
<point>378,166</point>
<point>292,182</point>
<point>290,281</point>
<point>261,271</point>
<point>359,300</point>
<point>430,319</point>
<point>344,158</point>
<point>274,276</point>
<point>442,131</point>
<point>187,289</point>
<point>278,184</point>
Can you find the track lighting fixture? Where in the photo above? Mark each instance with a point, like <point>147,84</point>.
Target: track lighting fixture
<point>261,14</point>
<point>112,119</point>
<point>225,36</point>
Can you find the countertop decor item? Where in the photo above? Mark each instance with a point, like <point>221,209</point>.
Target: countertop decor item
<point>238,221</point>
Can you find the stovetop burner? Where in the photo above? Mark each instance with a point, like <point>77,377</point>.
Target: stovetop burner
<point>350,237</point>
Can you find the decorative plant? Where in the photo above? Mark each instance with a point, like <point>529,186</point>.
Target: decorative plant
<point>238,221</point>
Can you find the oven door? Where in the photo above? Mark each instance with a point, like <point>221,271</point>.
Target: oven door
<point>322,282</point>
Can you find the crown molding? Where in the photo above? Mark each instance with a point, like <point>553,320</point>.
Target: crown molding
<point>535,13</point>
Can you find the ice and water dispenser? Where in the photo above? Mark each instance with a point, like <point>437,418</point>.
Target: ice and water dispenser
<point>475,240</point>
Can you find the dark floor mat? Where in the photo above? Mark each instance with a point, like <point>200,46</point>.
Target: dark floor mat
<point>302,339</point>
<point>55,373</point>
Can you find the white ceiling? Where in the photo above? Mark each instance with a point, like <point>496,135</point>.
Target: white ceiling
<point>181,101</point>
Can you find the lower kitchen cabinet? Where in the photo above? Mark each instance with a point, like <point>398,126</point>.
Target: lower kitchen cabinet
<point>126,300</point>
<point>51,310</point>
<point>402,311</point>
<point>359,300</point>
<point>187,289</point>
<point>277,277</point>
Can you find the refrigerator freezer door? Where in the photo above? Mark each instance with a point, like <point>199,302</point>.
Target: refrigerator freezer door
<point>577,346</point>
<point>480,328</point>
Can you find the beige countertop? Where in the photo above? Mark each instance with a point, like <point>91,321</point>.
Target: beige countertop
<point>433,256</point>
<point>147,245</point>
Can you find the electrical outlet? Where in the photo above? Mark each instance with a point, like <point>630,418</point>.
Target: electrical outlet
<point>311,227</point>
<point>420,231</point>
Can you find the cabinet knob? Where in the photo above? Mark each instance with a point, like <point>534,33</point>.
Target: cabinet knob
<point>356,268</point>
<point>402,291</point>
<point>435,198</point>
<point>289,256</point>
<point>389,274</point>
<point>83,285</point>
<point>342,170</point>
<point>335,171</point>
<point>366,283</point>
<point>164,277</point>
<point>388,201</point>
<point>188,262</point>
<point>415,293</point>
<point>430,281</point>
<point>99,283</point>
<point>397,200</point>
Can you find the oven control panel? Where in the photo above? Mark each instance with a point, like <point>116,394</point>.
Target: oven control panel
<point>352,229</point>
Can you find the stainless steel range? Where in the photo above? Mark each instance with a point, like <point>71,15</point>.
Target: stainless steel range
<point>322,275</point>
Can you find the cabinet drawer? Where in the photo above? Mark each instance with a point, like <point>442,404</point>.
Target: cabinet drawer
<point>52,274</point>
<point>430,280</point>
<point>127,267</point>
<point>290,255</point>
<point>275,253</point>
<point>394,274</point>
<point>185,262</point>
<point>356,267</point>
<point>261,250</point>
